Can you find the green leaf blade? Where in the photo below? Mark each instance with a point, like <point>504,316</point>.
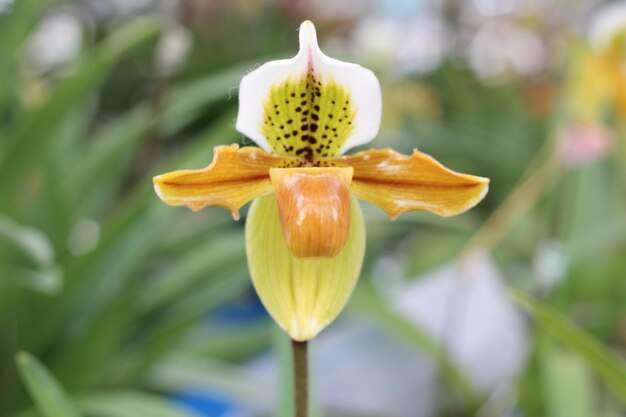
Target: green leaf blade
<point>44,389</point>
<point>609,367</point>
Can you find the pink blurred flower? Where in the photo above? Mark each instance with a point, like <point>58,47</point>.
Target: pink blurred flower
<point>581,144</point>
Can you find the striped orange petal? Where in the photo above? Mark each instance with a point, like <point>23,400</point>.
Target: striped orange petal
<point>235,177</point>
<point>398,183</point>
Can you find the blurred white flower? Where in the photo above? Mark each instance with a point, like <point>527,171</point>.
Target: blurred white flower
<point>5,5</point>
<point>389,273</point>
<point>465,307</point>
<point>84,236</point>
<point>503,49</point>
<point>550,264</point>
<point>173,49</point>
<point>607,24</point>
<point>400,47</point>
<point>55,42</point>
<point>494,7</point>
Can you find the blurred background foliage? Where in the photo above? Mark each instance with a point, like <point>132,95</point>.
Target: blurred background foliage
<point>127,307</point>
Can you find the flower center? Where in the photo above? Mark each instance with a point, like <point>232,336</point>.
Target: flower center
<point>308,118</point>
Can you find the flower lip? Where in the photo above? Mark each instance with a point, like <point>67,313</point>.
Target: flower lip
<point>303,295</point>
<point>314,209</point>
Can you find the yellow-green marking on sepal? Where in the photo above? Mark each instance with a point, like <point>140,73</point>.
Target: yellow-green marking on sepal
<point>308,118</point>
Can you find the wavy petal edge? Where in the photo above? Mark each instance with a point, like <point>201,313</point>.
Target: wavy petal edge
<point>400,183</point>
<point>234,177</point>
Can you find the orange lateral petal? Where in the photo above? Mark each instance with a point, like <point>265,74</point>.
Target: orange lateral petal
<point>398,183</point>
<point>235,177</point>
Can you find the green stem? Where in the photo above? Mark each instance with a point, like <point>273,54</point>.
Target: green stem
<point>300,379</point>
<point>544,171</point>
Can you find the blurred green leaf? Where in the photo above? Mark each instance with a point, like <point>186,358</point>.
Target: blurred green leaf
<point>201,263</point>
<point>101,165</point>
<point>567,384</point>
<point>45,391</point>
<point>230,343</point>
<point>14,29</point>
<point>182,315</point>
<point>48,281</point>
<point>94,281</point>
<point>609,367</point>
<point>29,241</point>
<point>33,129</point>
<point>29,257</point>
<point>178,371</point>
<point>131,404</point>
<point>114,145</point>
<point>187,101</point>
<point>80,360</point>
<point>16,25</point>
<point>608,235</point>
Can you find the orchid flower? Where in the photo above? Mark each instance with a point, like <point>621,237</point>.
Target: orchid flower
<point>305,234</point>
<point>599,80</point>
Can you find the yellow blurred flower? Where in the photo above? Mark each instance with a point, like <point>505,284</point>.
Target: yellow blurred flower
<point>599,80</point>
<point>599,87</point>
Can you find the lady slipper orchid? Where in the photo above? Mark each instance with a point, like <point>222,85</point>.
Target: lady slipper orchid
<point>305,235</point>
<point>599,80</point>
